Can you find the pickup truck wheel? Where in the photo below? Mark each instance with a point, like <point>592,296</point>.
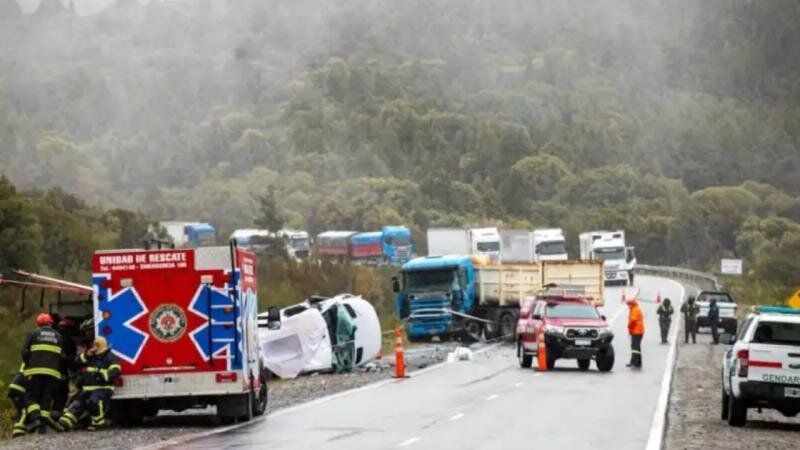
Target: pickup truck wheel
<point>525,361</point>
<point>605,360</point>
<point>583,364</point>
<point>737,412</point>
<point>725,405</point>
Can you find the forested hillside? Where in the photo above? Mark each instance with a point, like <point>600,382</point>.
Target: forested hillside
<point>677,120</point>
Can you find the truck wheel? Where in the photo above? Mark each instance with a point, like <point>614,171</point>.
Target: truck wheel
<point>525,361</point>
<point>725,405</point>
<point>583,364</point>
<point>508,326</point>
<point>737,412</point>
<point>473,331</point>
<point>605,360</point>
<point>630,278</point>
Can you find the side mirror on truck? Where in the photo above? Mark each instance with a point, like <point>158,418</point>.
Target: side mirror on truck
<point>273,318</point>
<point>395,285</point>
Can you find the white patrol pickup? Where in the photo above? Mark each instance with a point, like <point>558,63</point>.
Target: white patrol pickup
<point>727,310</point>
<point>762,367</point>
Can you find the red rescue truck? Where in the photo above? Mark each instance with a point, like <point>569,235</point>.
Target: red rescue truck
<point>183,323</point>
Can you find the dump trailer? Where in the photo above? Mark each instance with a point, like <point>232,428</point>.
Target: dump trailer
<point>466,296</point>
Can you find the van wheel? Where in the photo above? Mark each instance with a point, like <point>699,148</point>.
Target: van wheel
<point>260,403</point>
<point>737,412</point>
<point>583,364</point>
<point>725,405</point>
<point>525,361</point>
<point>551,362</point>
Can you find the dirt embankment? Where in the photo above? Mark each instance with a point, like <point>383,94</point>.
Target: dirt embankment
<point>694,420</point>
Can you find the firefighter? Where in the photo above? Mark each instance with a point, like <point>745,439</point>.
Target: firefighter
<point>665,312</point>
<point>97,370</point>
<point>42,354</point>
<point>66,327</point>
<point>16,393</point>
<point>636,330</point>
<point>690,311</point>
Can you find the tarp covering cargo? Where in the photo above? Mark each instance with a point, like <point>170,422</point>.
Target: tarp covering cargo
<point>366,245</point>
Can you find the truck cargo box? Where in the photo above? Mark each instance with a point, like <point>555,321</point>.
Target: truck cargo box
<point>367,245</point>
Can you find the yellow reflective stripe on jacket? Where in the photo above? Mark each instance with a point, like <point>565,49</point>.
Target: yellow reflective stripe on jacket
<point>33,407</point>
<point>97,388</point>
<point>22,367</point>
<point>93,369</point>
<point>46,348</point>
<point>42,371</point>
<point>16,387</point>
<point>82,357</point>
<point>115,366</point>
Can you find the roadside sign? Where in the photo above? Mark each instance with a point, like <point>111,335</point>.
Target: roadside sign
<point>731,266</point>
<point>794,300</point>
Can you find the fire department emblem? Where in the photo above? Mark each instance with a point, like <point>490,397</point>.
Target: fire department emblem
<point>168,323</point>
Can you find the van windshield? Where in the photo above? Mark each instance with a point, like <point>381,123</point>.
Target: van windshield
<point>419,281</point>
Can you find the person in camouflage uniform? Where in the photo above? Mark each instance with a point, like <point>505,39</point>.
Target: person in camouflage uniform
<point>665,312</point>
<point>690,310</point>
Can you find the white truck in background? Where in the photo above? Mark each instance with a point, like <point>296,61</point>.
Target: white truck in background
<point>609,246</point>
<point>297,243</point>
<point>547,244</point>
<point>460,241</point>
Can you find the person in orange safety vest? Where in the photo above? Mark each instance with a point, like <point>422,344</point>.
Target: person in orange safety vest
<point>636,330</point>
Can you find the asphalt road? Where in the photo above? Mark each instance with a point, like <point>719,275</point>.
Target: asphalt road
<point>487,403</point>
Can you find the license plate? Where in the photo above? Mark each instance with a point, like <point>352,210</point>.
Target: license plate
<point>583,342</point>
<point>791,392</point>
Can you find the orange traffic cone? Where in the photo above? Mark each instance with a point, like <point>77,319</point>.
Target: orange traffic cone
<point>658,297</point>
<point>399,356</point>
<point>541,353</point>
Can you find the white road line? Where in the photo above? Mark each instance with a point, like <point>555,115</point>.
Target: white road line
<point>408,442</point>
<point>519,384</point>
<point>616,316</point>
<point>491,397</point>
<point>456,417</point>
<point>657,427</point>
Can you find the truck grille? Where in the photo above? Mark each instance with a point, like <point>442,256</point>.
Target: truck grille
<point>402,253</point>
<point>582,333</point>
<point>419,304</point>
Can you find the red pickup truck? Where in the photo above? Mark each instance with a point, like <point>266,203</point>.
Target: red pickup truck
<point>573,329</point>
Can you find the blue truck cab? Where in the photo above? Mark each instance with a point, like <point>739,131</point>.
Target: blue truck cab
<point>200,235</point>
<point>397,246</point>
<point>429,288</point>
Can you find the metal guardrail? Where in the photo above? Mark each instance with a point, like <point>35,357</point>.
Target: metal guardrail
<point>708,281</point>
